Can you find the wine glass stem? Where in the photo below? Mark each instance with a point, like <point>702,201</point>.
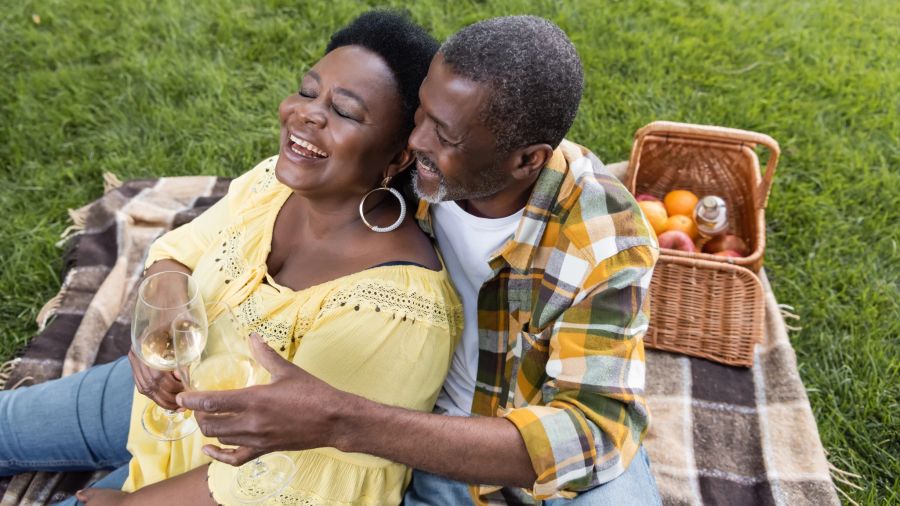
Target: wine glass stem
<point>170,417</point>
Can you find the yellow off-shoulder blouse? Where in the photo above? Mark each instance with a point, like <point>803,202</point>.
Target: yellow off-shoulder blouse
<point>386,333</point>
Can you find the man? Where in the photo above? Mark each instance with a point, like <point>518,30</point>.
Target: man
<point>553,261</point>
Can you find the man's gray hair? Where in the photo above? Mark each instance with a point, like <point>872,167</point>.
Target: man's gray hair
<point>534,74</point>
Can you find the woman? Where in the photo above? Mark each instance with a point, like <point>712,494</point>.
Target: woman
<point>334,276</point>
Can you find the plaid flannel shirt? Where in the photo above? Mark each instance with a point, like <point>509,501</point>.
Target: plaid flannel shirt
<point>561,326</point>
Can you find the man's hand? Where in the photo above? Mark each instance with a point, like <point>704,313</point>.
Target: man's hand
<point>298,411</point>
<point>159,386</point>
<point>295,411</point>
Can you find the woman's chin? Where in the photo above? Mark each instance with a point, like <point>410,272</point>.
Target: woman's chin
<point>296,176</point>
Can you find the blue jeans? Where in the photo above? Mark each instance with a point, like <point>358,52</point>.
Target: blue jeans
<point>77,423</point>
<point>80,423</point>
<point>635,486</point>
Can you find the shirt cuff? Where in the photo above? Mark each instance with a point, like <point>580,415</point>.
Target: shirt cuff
<point>561,446</point>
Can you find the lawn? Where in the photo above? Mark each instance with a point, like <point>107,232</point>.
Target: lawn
<point>169,88</point>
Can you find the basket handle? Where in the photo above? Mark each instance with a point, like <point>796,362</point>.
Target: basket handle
<point>718,134</point>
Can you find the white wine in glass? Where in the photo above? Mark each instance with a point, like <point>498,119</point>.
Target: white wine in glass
<point>226,363</point>
<point>158,348</point>
<point>168,303</point>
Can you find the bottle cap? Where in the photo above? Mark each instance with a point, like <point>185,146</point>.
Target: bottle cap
<point>711,215</point>
<point>710,207</point>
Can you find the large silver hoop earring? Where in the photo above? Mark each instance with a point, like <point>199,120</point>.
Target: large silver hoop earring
<point>394,192</point>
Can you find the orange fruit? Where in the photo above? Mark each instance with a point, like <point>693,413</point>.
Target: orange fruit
<point>682,223</point>
<point>656,214</point>
<point>680,202</point>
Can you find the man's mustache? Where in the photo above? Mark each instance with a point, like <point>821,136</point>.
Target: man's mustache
<point>428,162</point>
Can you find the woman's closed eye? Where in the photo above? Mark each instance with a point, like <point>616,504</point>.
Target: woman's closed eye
<point>341,111</point>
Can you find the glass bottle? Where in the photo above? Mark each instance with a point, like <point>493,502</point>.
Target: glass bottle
<point>711,216</point>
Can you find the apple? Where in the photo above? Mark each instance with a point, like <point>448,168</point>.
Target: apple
<point>726,242</point>
<point>678,240</point>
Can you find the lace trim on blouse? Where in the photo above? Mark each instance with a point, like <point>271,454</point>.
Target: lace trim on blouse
<point>265,182</point>
<point>380,296</point>
<point>403,304</point>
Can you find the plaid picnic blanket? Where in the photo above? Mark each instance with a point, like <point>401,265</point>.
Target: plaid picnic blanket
<point>719,434</point>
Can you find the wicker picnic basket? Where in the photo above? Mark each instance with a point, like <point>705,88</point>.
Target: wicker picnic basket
<point>705,309</point>
<point>701,304</point>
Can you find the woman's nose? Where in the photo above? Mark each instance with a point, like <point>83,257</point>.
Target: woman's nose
<point>311,113</point>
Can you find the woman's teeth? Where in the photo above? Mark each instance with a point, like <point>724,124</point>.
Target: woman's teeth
<point>307,149</point>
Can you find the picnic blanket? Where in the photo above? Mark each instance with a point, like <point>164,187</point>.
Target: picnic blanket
<point>719,434</point>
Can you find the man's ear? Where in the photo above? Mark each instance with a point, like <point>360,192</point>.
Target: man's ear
<point>530,160</point>
<point>401,161</point>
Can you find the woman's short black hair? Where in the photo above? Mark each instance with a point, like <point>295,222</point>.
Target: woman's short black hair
<point>405,47</point>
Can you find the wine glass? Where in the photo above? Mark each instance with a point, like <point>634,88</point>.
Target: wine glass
<point>226,364</point>
<point>168,303</point>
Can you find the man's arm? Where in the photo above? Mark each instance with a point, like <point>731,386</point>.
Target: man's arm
<point>593,421</point>
<point>593,415</point>
<point>480,450</point>
<point>472,450</point>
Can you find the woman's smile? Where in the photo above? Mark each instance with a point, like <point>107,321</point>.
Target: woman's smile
<point>305,148</point>
<point>299,150</point>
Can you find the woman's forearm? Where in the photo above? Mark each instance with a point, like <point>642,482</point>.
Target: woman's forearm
<point>185,489</point>
<point>166,265</point>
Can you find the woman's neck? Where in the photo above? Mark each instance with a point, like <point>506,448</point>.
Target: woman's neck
<point>320,218</point>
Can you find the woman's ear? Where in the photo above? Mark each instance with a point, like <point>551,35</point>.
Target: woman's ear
<point>401,161</point>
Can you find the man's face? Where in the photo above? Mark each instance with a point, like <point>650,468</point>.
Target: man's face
<point>456,156</point>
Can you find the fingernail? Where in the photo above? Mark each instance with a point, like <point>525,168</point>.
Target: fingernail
<point>206,451</point>
<point>178,400</point>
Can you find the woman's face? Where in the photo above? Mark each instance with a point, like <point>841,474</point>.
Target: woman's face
<point>340,133</point>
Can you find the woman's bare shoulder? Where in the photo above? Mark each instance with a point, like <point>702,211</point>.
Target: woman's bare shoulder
<point>408,243</point>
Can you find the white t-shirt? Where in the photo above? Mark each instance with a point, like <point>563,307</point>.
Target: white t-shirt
<point>466,243</point>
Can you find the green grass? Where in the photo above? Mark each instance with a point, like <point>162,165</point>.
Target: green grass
<point>166,88</point>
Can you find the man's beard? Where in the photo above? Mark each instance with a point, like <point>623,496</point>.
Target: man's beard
<point>432,198</point>
<point>491,182</point>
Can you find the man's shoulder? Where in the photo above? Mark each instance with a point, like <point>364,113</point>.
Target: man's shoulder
<point>599,215</point>
<point>592,178</point>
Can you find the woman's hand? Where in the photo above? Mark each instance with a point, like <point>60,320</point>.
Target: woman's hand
<point>101,496</point>
<point>159,386</point>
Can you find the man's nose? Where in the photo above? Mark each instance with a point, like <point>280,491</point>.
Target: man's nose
<point>417,138</point>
